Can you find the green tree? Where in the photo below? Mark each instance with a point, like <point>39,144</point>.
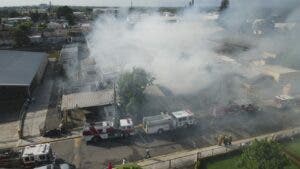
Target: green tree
<point>224,5</point>
<point>13,13</point>
<point>129,166</point>
<point>67,13</point>
<point>9,13</point>
<point>35,16</point>
<point>42,27</point>
<point>131,86</point>
<point>263,155</point>
<point>20,34</point>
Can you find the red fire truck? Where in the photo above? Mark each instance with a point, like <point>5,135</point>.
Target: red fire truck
<point>108,129</point>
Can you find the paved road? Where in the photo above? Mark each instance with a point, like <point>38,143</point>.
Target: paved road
<point>37,111</point>
<point>9,132</point>
<point>98,155</point>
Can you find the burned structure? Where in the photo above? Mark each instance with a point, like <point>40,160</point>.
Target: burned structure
<point>93,105</point>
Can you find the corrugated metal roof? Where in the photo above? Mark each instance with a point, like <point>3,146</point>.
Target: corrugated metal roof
<point>278,69</point>
<point>18,68</point>
<point>182,113</point>
<point>87,99</point>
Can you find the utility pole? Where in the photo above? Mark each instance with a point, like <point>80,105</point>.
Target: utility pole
<point>50,8</point>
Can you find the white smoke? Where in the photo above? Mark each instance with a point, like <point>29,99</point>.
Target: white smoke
<point>179,55</point>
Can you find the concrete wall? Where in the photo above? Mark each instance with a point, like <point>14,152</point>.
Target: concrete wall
<point>39,75</point>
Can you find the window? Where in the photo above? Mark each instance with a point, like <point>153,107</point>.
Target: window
<point>26,159</point>
<point>42,157</point>
<point>31,158</point>
<point>182,119</point>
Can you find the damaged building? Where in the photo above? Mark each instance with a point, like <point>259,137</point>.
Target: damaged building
<point>274,80</point>
<point>95,106</point>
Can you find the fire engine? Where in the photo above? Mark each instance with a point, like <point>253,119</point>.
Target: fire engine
<point>108,129</point>
<point>168,121</point>
<point>29,156</point>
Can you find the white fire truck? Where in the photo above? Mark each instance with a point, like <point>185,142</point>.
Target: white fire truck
<point>29,156</point>
<point>164,122</point>
<point>107,129</point>
<point>40,153</point>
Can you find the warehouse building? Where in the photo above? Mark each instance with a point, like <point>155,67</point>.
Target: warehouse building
<point>20,73</point>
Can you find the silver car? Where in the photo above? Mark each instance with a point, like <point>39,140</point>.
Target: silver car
<point>56,166</point>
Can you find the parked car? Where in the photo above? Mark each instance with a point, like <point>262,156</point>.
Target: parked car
<point>56,166</point>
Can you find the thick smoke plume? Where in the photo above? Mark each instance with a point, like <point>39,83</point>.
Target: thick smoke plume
<point>179,55</point>
<point>182,55</point>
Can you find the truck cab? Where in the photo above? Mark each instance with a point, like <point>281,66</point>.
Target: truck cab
<point>126,126</point>
<point>283,101</point>
<point>183,118</point>
<point>37,154</point>
<point>108,129</point>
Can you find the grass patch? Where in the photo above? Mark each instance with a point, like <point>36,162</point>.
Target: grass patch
<point>129,166</point>
<point>230,162</point>
<point>292,166</point>
<point>294,147</point>
<point>54,54</point>
<point>225,163</point>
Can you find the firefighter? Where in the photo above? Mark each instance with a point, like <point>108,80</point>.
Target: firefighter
<point>110,166</point>
<point>221,140</point>
<point>60,128</point>
<point>147,155</point>
<point>54,158</point>
<point>230,140</point>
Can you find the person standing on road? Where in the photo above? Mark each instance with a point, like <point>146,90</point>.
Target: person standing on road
<point>109,166</point>
<point>123,161</point>
<point>147,153</point>
<point>54,158</point>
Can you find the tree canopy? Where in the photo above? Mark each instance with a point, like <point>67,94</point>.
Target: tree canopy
<point>131,86</point>
<point>9,13</point>
<point>36,16</point>
<point>20,34</point>
<point>67,13</point>
<point>263,155</point>
<point>224,5</point>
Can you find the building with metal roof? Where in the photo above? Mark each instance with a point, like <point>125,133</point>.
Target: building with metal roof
<point>87,99</point>
<point>20,73</point>
<point>19,68</point>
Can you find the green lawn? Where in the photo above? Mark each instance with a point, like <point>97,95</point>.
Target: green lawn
<point>231,163</point>
<point>294,147</point>
<point>228,163</point>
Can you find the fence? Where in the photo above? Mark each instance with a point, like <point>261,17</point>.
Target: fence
<point>22,115</point>
<point>189,158</point>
